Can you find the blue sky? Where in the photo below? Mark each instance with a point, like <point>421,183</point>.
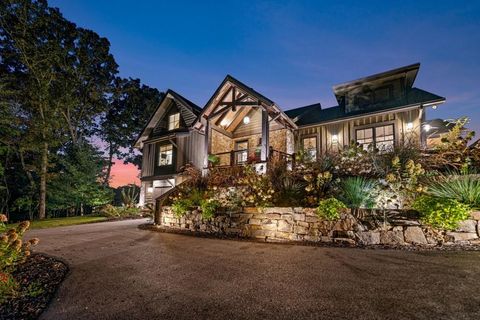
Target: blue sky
<point>292,51</point>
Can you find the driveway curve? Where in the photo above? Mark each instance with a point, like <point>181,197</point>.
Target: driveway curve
<point>118,271</point>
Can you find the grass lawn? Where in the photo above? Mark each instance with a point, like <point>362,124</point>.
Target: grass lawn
<point>60,222</point>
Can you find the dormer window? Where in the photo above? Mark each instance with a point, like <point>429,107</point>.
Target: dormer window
<point>174,121</point>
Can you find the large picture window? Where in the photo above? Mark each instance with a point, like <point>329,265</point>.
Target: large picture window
<point>310,148</point>
<point>382,137</point>
<point>165,155</point>
<point>174,121</point>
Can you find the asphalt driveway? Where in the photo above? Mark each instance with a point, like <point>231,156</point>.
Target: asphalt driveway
<point>121,272</point>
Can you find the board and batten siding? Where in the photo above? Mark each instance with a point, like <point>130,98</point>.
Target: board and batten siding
<point>148,160</point>
<point>190,149</point>
<point>345,130</point>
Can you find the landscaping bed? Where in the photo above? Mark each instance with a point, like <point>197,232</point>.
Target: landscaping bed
<point>38,278</point>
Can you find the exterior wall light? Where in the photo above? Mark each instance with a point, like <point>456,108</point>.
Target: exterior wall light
<point>409,126</point>
<point>434,107</point>
<point>150,189</point>
<point>427,127</point>
<point>334,138</point>
<point>246,120</point>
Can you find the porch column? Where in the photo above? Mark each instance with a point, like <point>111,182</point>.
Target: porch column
<point>207,143</point>
<point>265,132</point>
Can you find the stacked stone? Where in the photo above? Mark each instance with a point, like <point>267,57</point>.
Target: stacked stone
<point>277,224</point>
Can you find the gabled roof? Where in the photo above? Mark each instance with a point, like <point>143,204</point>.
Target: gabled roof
<point>313,114</point>
<point>189,110</point>
<point>251,92</point>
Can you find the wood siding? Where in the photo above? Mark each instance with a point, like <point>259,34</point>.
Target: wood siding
<point>345,130</point>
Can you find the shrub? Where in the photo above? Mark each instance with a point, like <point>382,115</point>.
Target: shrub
<point>330,208</point>
<point>13,252</point>
<point>463,188</point>
<point>358,192</point>
<point>129,196</point>
<point>441,213</point>
<point>209,208</point>
<point>119,212</point>
<point>181,206</point>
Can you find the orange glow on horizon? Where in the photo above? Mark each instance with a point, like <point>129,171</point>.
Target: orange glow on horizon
<point>123,174</point>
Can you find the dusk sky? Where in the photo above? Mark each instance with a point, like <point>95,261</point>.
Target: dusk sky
<point>293,52</point>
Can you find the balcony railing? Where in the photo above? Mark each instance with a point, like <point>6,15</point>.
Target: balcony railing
<point>248,156</point>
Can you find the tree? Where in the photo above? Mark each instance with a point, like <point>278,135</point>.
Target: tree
<point>58,77</point>
<point>75,179</point>
<point>131,105</point>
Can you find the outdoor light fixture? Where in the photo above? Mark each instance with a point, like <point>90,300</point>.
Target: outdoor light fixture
<point>335,138</point>
<point>246,120</point>
<point>434,107</point>
<point>150,189</point>
<point>409,126</point>
<point>427,127</point>
<point>223,123</point>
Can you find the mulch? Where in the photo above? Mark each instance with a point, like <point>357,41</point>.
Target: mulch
<point>47,272</point>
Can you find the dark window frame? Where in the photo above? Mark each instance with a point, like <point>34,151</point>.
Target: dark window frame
<point>374,135</point>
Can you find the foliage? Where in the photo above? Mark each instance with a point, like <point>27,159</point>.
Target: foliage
<point>358,192</point>
<point>119,212</point>
<point>330,208</point>
<point>441,213</point>
<point>214,160</point>
<point>209,208</point>
<point>401,184</point>
<point>317,185</point>
<point>287,184</point>
<point>181,206</point>
<point>465,188</point>
<point>257,188</point>
<point>129,196</point>
<point>75,180</point>
<point>13,251</point>
<point>453,152</point>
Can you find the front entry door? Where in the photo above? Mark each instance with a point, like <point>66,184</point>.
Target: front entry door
<point>241,152</point>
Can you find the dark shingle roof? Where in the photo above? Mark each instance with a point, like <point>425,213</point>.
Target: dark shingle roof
<point>313,114</point>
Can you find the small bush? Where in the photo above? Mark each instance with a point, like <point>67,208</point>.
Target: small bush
<point>13,252</point>
<point>181,206</point>
<point>441,213</point>
<point>463,188</point>
<point>330,208</point>
<point>209,208</point>
<point>119,212</point>
<point>358,192</point>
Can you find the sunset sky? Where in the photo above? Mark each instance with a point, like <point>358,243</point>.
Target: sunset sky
<point>291,51</point>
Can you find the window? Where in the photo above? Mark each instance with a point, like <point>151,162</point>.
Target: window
<point>174,121</point>
<point>365,138</point>
<point>381,137</point>
<point>165,155</point>
<point>383,94</point>
<point>310,148</point>
<point>241,153</point>
<point>384,138</point>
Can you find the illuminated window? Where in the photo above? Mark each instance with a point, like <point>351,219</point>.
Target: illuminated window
<point>381,137</point>
<point>174,121</point>
<point>310,148</point>
<point>165,155</point>
<point>384,138</point>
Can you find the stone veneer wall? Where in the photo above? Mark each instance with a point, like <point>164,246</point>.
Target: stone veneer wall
<point>302,224</point>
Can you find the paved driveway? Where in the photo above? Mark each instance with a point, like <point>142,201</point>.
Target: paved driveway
<point>121,272</point>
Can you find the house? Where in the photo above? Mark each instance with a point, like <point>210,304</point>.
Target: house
<point>239,125</point>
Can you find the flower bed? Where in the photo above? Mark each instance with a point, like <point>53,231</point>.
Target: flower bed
<point>285,224</point>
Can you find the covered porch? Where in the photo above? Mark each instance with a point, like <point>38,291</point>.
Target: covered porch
<point>243,127</point>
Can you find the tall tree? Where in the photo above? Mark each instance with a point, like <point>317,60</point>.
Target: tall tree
<point>131,105</point>
<point>60,76</point>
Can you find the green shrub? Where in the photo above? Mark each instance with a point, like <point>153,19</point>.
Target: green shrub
<point>358,192</point>
<point>119,212</point>
<point>441,213</point>
<point>330,208</point>
<point>209,208</point>
<point>463,188</point>
<point>181,206</point>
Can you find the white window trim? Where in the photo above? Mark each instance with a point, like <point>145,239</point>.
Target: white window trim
<point>168,151</point>
<point>174,121</point>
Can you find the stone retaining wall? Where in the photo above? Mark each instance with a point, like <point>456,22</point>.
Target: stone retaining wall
<point>302,224</point>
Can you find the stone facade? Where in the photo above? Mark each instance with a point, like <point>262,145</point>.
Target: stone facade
<point>279,224</point>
